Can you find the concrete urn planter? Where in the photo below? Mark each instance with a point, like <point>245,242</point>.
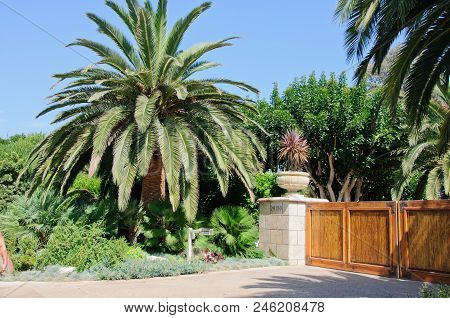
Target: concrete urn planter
<point>293,181</point>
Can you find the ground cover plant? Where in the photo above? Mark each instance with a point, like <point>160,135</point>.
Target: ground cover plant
<point>430,291</point>
<point>161,266</point>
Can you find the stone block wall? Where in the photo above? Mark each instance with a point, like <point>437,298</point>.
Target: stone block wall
<point>282,228</point>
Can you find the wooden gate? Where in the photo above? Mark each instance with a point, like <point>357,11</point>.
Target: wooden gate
<point>408,239</point>
<point>354,236</point>
<point>424,231</point>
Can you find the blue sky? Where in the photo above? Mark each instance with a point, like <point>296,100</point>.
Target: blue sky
<point>280,40</point>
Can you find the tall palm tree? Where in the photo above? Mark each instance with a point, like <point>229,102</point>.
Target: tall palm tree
<point>424,57</point>
<point>141,120</point>
<point>427,158</point>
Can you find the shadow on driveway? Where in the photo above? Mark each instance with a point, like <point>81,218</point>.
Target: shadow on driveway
<point>330,284</point>
<point>280,282</point>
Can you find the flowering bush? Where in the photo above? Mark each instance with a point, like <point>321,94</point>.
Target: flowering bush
<point>211,257</point>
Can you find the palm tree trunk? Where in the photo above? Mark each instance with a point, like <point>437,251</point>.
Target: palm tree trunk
<point>133,233</point>
<point>154,183</point>
<point>153,190</point>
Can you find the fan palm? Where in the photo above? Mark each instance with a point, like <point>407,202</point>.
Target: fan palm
<point>141,121</point>
<point>424,56</point>
<point>164,231</point>
<point>234,231</point>
<point>34,218</point>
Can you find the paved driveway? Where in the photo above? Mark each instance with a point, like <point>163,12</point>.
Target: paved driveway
<point>267,282</point>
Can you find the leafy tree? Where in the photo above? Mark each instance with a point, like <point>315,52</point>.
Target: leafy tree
<point>19,144</point>
<point>13,154</point>
<point>275,121</point>
<point>349,136</point>
<point>423,59</point>
<point>140,123</point>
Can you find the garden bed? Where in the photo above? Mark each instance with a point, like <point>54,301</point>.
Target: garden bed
<point>140,269</point>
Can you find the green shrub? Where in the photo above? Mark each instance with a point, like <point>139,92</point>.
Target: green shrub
<point>429,291</point>
<point>265,187</point>
<point>235,232</point>
<point>86,183</point>
<point>204,243</point>
<point>34,217</point>
<point>139,269</point>
<point>84,246</point>
<point>167,265</point>
<point>102,211</point>
<point>165,231</point>
<point>10,167</point>
<point>23,252</point>
<point>211,196</point>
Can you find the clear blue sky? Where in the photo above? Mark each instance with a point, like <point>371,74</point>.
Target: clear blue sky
<point>280,40</point>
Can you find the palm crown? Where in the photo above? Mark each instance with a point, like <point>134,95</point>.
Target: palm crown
<point>141,121</point>
<point>423,59</point>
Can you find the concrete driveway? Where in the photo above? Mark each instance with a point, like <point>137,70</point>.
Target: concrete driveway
<point>289,281</point>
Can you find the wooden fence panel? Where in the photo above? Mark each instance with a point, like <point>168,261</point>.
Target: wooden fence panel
<point>424,231</point>
<point>327,235</point>
<point>371,230</point>
<point>354,236</point>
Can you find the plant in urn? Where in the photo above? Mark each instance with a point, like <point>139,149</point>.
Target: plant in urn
<point>294,155</point>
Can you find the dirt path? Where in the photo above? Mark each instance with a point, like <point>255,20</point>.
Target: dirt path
<point>267,282</point>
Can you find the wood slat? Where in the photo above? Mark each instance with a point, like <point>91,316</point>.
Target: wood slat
<point>327,235</point>
<point>352,236</point>
<point>369,237</point>
<point>428,233</point>
<point>424,230</point>
<point>376,237</point>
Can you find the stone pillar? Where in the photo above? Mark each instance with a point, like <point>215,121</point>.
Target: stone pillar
<point>282,227</point>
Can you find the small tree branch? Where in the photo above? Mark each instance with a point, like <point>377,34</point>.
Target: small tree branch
<point>345,186</point>
<point>331,178</point>
<point>358,189</point>
<point>352,185</point>
<point>313,192</point>
<point>316,183</point>
<point>348,192</point>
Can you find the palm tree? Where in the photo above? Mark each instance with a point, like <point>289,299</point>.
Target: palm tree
<point>141,121</point>
<point>427,158</point>
<point>424,57</point>
<point>235,232</point>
